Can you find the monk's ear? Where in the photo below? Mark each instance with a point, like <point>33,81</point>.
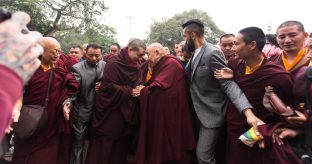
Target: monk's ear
<point>157,52</point>
<point>306,35</point>
<point>253,45</point>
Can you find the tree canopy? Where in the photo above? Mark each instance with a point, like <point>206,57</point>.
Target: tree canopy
<point>70,21</point>
<point>169,31</point>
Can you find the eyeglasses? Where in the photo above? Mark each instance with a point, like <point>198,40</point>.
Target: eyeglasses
<point>54,51</point>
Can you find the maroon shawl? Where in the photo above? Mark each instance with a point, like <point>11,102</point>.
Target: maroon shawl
<point>166,128</point>
<point>66,61</point>
<point>121,75</point>
<point>253,85</point>
<point>298,75</point>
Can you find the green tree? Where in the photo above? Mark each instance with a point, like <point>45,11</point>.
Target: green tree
<point>72,22</point>
<point>169,31</point>
<point>99,34</point>
<point>49,16</point>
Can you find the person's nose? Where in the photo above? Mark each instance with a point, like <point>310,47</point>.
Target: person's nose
<point>287,39</point>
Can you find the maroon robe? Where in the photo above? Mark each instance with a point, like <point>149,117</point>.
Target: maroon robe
<point>51,145</point>
<point>11,86</point>
<point>253,85</point>
<point>66,61</point>
<point>298,77</point>
<point>115,112</point>
<point>166,132</point>
<point>107,57</point>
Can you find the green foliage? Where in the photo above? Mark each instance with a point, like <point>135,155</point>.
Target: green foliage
<point>99,34</point>
<point>169,31</point>
<point>72,22</point>
<point>39,21</point>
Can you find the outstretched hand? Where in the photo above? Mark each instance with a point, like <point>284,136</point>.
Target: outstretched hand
<point>224,73</point>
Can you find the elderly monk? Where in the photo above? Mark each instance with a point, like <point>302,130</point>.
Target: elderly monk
<point>166,134</point>
<point>115,113</point>
<point>50,145</point>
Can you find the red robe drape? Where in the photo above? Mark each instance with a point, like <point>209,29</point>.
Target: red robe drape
<point>115,111</point>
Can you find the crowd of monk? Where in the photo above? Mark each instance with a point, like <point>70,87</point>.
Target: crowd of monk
<point>144,104</point>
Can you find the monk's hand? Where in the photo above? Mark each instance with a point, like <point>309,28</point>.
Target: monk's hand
<point>282,133</point>
<point>137,91</point>
<point>254,121</point>
<point>66,110</point>
<point>15,114</point>
<point>19,52</point>
<point>224,73</point>
<point>97,86</point>
<point>17,109</point>
<point>300,119</point>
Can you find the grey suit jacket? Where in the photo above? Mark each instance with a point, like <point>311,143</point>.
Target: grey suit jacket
<point>86,75</point>
<point>210,95</point>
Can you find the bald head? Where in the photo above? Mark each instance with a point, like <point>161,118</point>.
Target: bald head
<point>51,52</point>
<point>157,47</point>
<point>47,42</point>
<point>155,52</point>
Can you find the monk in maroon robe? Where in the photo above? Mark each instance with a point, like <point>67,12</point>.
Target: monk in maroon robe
<point>51,144</point>
<point>291,36</point>
<point>252,72</point>
<point>253,87</point>
<point>166,134</point>
<point>116,110</point>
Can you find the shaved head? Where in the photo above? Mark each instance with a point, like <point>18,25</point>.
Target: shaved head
<point>158,47</point>
<point>155,52</point>
<point>49,41</point>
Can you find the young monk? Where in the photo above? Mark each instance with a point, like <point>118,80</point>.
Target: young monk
<point>252,72</point>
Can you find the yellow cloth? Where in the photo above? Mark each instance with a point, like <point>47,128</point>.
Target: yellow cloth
<point>249,70</point>
<point>288,66</point>
<point>45,69</point>
<point>149,74</point>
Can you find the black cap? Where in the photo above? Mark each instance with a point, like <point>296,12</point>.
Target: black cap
<point>193,21</point>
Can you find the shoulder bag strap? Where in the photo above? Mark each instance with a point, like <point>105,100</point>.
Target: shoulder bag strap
<point>49,86</point>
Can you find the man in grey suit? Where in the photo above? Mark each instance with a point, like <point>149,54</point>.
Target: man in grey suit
<point>88,73</point>
<point>210,95</point>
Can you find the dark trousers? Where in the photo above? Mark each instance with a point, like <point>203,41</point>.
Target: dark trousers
<point>80,131</point>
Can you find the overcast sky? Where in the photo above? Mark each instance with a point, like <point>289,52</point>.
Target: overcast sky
<point>229,15</point>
